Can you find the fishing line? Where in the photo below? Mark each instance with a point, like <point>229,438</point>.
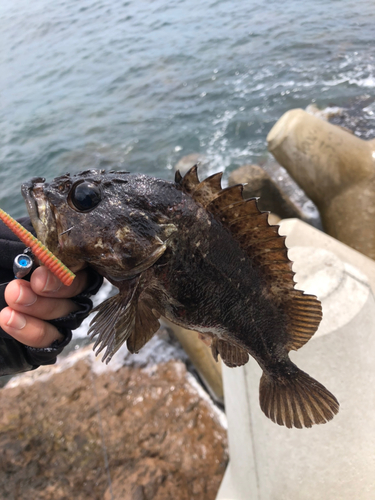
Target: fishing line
<point>66,231</point>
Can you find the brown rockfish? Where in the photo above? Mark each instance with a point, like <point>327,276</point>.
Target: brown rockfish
<point>197,254</point>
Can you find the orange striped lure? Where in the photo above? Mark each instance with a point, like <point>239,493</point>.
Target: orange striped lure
<point>40,251</point>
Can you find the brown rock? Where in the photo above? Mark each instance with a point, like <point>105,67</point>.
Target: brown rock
<point>136,434</point>
<point>259,184</point>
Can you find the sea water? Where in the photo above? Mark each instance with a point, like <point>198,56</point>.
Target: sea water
<point>138,84</point>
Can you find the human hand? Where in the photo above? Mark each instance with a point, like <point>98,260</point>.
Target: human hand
<point>31,303</point>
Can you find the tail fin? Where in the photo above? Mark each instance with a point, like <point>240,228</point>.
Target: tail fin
<point>296,400</point>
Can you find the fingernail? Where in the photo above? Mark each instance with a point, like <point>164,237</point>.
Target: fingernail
<point>53,284</point>
<point>26,296</point>
<point>17,320</point>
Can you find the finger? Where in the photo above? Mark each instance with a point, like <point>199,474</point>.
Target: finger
<point>28,330</point>
<point>20,296</point>
<point>44,283</point>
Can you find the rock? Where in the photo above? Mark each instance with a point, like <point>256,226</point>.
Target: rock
<point>136,433</point>
<point>259,184</point>
<point>334,460</point>
<point>186,162</point>
<point>335,169</point>
<point>326,113</point>
<point>273,219</point>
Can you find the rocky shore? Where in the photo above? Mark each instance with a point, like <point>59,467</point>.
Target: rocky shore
<point>81,430</point>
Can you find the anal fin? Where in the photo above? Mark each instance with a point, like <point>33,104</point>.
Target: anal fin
<point>231,354</point>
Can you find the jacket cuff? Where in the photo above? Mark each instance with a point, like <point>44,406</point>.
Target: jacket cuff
<point>47,355</point>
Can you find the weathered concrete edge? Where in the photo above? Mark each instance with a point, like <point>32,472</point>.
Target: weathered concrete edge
<point>299,233</point>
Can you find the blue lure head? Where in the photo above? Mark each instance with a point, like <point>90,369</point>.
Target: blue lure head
<point>22,265</point>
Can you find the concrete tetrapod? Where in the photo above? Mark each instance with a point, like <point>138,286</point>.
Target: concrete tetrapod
<point>335,169</point>
<point>258,184</point>
<point>331,461</point>
<point>200,355</point>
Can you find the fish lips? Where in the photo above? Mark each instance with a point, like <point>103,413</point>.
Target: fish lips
<point>40,212</point>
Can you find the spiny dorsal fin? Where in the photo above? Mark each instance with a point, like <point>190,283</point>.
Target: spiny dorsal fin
<point>203,192</point>
<point>265,247</point>
<point>226,198</point>
<point>189,181</point>
<point>178,177</point>
<point>208,189</point>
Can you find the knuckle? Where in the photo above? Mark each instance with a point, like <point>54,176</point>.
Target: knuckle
<point>11,292</point>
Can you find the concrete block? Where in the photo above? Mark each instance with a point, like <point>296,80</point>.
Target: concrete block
<point>258,184</point>
<point>335,461</point>
<point>201,356</point>
<point>301,234</point>
<point>336,171</point>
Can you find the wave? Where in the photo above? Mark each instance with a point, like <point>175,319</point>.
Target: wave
<point>368,82</point>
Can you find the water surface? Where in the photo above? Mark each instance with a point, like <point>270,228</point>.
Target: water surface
<point>138,84</point>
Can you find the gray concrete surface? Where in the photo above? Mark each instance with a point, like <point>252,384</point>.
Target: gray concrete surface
<point>334,461</point>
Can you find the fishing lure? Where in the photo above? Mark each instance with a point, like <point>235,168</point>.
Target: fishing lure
<point>22,265</point>
<point>39,250</point>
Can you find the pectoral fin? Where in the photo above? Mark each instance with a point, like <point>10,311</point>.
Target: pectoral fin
<point>124,317</point>
<point>114,320</point>
<point>146,324</point>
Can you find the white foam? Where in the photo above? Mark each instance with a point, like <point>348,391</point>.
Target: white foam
<point>368,82</point>
<point>337,81</point>
<point>105,291</point>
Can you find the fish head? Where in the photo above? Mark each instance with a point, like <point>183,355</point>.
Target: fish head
<point>98,218</point>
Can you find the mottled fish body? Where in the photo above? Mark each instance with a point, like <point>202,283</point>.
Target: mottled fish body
<point>197,254</point>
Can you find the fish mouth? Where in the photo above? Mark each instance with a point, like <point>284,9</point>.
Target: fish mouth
<point>40,212</point>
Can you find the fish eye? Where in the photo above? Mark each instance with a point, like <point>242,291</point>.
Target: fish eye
<point>85,196</point>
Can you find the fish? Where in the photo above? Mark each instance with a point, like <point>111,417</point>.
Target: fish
<point>197,254</point>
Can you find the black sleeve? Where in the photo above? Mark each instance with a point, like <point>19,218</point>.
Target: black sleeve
<point>14,356</point>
